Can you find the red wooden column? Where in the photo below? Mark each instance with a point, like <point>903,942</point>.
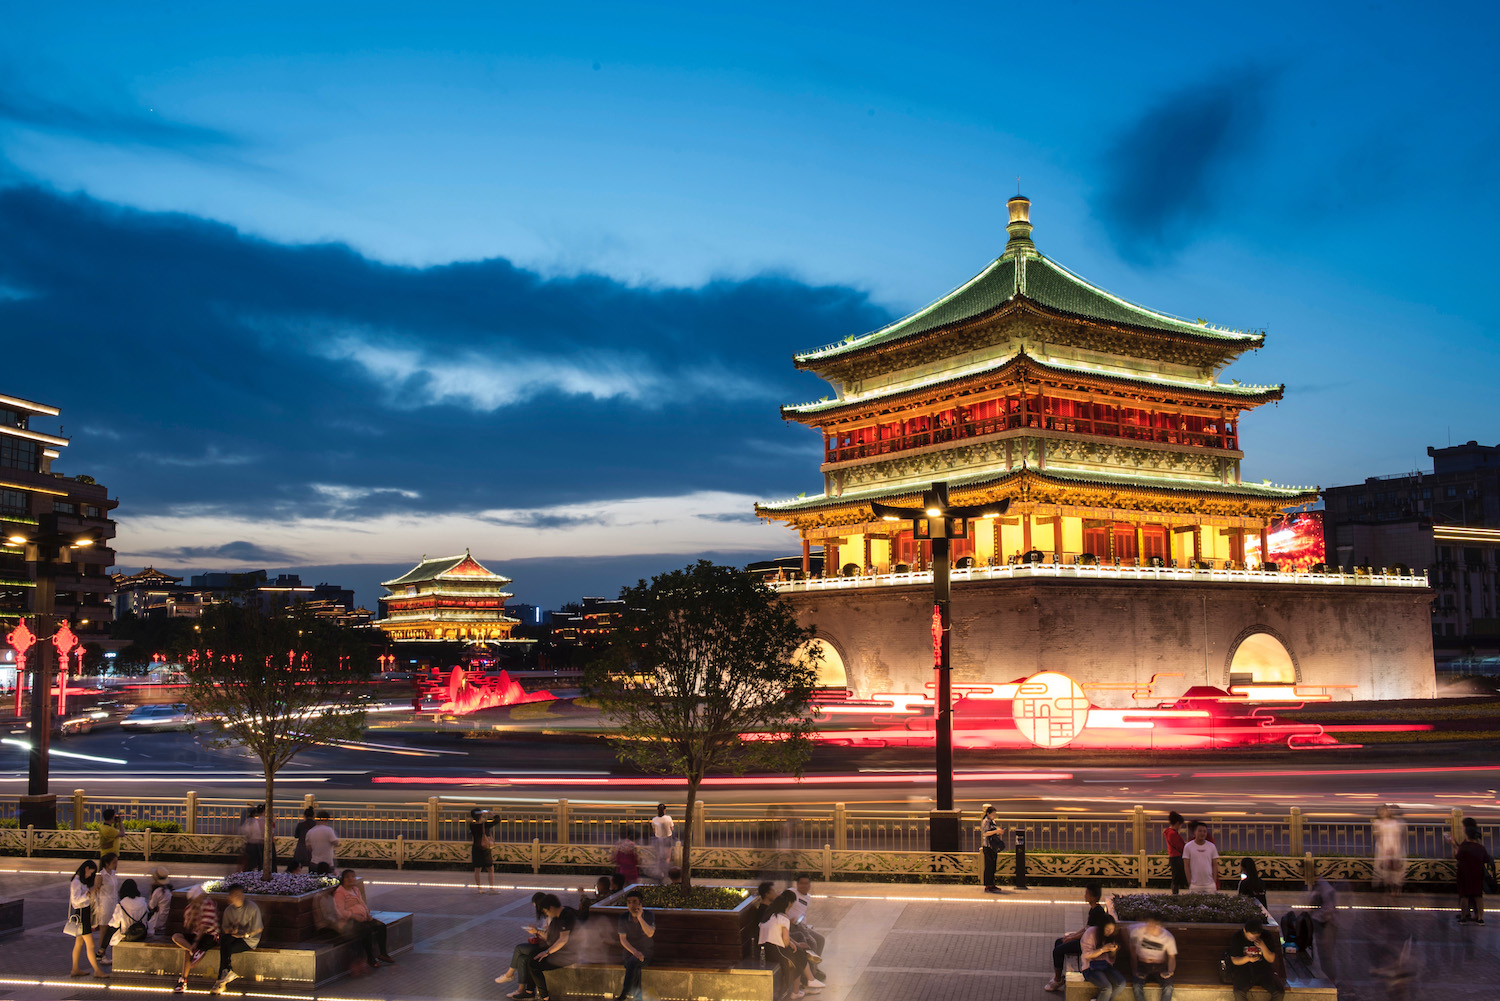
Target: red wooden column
<point>1265,548</point>
<point>806,557</point>
<point>865,566</point>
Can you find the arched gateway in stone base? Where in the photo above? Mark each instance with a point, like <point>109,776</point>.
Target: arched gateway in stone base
<point>1131,548</point>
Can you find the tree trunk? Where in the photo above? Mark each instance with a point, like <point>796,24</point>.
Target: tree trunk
<point>268,863</point>
<point>687,837</point>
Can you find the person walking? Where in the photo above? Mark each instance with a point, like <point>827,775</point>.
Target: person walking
<point>106,899</point>
<point>1201,858</point>
<point>128,923</point>
<point>321,844</point>
<point>1474,862</point>
<point>200,931</point>
<point>1172,835</point>
<point>663,837</point>
<point>1101,955</point>
<point>1253,962</point>
<point>627,856</point>
<point>80,922</point>
<point>1390,848</point>
<point>240,929</point>
<point>637,930</point>
<point>253,831</point>
<point>353,910</point>
<point>300,854</point>
<point>482,846</point>
<point>991,844</point>
<point>1153,950</point>
<point>158,902</point>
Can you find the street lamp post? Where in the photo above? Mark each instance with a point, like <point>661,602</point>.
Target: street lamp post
<point>46,551</point>
<point>940,522</point>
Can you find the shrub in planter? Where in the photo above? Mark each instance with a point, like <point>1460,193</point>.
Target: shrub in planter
<point>1188,908</point>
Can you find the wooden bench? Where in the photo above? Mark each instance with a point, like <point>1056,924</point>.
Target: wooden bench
<point>672,980</point>
<point>317,961</point>
<point>1079,989</point>
<point>12,916</point>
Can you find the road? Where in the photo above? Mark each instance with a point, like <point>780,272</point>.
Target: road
<point>407,767</point>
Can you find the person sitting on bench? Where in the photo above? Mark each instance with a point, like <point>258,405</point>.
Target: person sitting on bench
<point>1154,950</point>
<point>1253,959</point>
<point>200,932</point>
<point>554,953</point>
<point>776,941</point>
<point>637,928</point>
<point>356,921</point>
<point>240,929</point>
<point>1071,944</point>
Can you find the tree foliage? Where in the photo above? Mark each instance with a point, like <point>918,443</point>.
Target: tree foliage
<point>701,659</point>
<point>276,685</point>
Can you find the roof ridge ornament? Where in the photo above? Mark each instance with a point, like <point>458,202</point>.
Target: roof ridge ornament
<point>1019,228</point>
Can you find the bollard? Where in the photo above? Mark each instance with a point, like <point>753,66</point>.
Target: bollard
<point>433,806</point>
<point>1020,880</point>
<point>840,827</point>
<point>827,864</point>
<point>78,815</point>
<point>190,813</point>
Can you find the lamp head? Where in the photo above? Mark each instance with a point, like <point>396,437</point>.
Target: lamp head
<point>19,540</point>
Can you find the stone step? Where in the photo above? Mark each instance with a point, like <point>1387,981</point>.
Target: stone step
<point>1079,989</point>
<point>668,983</point>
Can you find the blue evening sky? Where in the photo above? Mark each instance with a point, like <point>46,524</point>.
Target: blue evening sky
<point>336,285</point>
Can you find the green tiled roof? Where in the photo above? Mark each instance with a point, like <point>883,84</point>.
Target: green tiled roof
<point>1269,491</point>
<point>1152,379</point>
<point>1042,281</point>
<point>428,569</point>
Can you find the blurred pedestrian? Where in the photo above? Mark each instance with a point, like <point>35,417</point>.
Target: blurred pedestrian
<point>300,854</point>
<point>106,899</point>
<point>1153,951</point>
<point>321,842</point>
<point>1172,835</point>
<point>1390,848</point>
<point>1322,903</point>
<point>663,837</point>
<point>353,909</point>
<point>1473,864</point>
<point>200,932</point>
<point>253,831</point>
<point>158,902</point>
<point>80,922</point>
<point>1201,858</point>
<point>627,856</point>
<point>240,929</point>
<point>482,846</point>
<point>991,844</point>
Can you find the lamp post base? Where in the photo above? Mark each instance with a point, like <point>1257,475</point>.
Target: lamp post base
<point>943,830</point>
<point>39,812</point>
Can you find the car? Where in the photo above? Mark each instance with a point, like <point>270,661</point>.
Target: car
<point>171,716</point>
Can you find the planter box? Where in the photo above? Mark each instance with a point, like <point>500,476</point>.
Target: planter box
<point>287,920</point>
<point>699,936</point>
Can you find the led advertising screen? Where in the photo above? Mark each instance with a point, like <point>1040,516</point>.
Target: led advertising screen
<point>1295,542</point>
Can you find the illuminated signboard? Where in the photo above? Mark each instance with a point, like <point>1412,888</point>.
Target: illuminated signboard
<point>1295,542</point>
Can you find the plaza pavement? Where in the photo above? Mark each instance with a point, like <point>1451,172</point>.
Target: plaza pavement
<point>887,942</point>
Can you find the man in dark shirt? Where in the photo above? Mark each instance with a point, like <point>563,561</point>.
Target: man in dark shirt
<point>1072,943</point>
<point>554,953</point>
<point>1253,956</point>
<point>637,929</point>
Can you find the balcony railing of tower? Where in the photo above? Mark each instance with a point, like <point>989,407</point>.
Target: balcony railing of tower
<point>951,426</point>
<point>1223,572</point>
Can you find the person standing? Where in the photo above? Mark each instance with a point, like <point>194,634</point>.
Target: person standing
<point>637,929</point>
<point>200,930</point>
<point>1201,858</point>
<point>106,899</point>
<point>1154,951</point>
<point>321,843</point>
<point>158,902</point>
<point>109,832</point>
<point>240,929</point>
<point>300,854</point>
<point>1390,848</point>
<point>1323,902</point>
<point>253,831</point>
<point>1101,956</point>
<point>991,844</point>
<point>353,910</point>
<point>1172,835</point>
<point>1473,862</point>
<point>663,837</point>
<point>1253,960</point>
<point>81,916</point>
<point>482,849</point>
<point>627,856</point>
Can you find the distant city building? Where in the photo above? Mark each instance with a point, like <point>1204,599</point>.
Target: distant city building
<point>32,497</point>
<point>154,594</point>
<point>447,598</point>
<point>587,623</point>
<point>1445,522</point>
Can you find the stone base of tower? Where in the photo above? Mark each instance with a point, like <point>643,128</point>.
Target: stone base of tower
<point>1133,642</point>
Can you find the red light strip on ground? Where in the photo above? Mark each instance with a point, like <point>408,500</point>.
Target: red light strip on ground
<point>746,780</point>
<point>1345,771</point>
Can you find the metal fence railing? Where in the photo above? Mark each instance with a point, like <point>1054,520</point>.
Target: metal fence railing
<point>774,826</point>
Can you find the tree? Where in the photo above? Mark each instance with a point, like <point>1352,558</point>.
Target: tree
<point>702,656</point>
<point>276,684</point>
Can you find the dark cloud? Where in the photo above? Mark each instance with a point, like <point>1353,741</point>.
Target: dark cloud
<point>1171,171</point>
<point>117,126</point>
<point>244,552</point>
<point>247,377</point>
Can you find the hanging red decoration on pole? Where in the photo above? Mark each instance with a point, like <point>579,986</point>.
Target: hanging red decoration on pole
<point>63,641</point>
<point>937,636</point>
<point>21,640</point>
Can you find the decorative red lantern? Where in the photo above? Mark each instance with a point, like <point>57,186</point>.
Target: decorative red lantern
<point>21,639</point>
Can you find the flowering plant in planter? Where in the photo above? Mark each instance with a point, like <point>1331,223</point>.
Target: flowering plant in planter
<point>280,884</point>
<point>1188,908</point>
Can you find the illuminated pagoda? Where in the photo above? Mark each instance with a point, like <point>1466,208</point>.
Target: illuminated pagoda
<point>1105,423</point>
<point>447,598</point>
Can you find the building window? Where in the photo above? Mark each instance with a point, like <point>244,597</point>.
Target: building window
<point>20,453</point>
<point>14,502</point>
<point>64,507</point>
<point>91,512</point>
